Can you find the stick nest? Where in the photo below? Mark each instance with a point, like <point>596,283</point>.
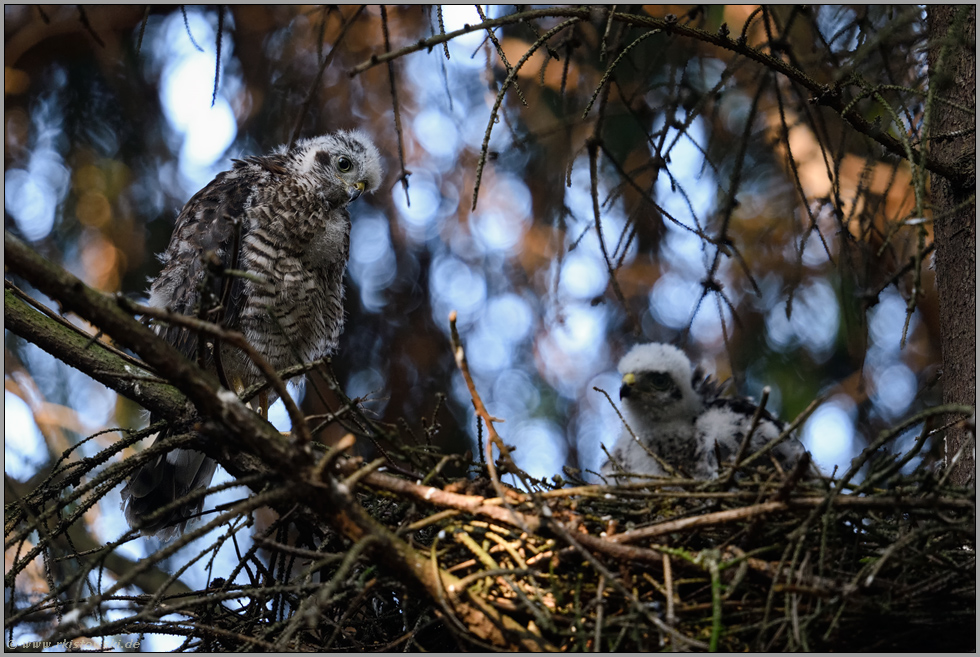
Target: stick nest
<point>759,560</point>
<point>747,565</point>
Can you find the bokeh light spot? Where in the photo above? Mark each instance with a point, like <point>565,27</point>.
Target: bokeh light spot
<point>829,434</point>
<point>24,448</point>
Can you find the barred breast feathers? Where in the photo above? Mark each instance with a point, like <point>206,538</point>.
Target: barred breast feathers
<point>282,219</point>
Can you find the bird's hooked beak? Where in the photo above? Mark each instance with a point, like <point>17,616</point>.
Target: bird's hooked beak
<point>628,380</point>
<point>356,190</point>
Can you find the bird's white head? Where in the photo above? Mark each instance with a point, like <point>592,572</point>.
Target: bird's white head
<point>346,162</point>
<point>657,383</point>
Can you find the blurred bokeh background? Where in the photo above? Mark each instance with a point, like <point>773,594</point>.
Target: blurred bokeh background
<point>744,223</point>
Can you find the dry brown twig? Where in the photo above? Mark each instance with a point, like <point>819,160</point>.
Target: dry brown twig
<point>483,414</point>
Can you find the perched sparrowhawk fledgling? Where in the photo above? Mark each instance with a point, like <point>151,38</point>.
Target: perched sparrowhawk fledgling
<point>261,250</point>
<point>678,414</point>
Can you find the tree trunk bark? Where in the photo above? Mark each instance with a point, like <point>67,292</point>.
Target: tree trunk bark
<point>952,72</point>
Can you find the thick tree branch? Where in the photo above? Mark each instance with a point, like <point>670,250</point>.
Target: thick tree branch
<point>91,357</point>
<point>104,312</point>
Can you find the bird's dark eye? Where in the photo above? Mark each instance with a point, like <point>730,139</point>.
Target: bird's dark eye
<point>661,381</point>
<point>344,164</point>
